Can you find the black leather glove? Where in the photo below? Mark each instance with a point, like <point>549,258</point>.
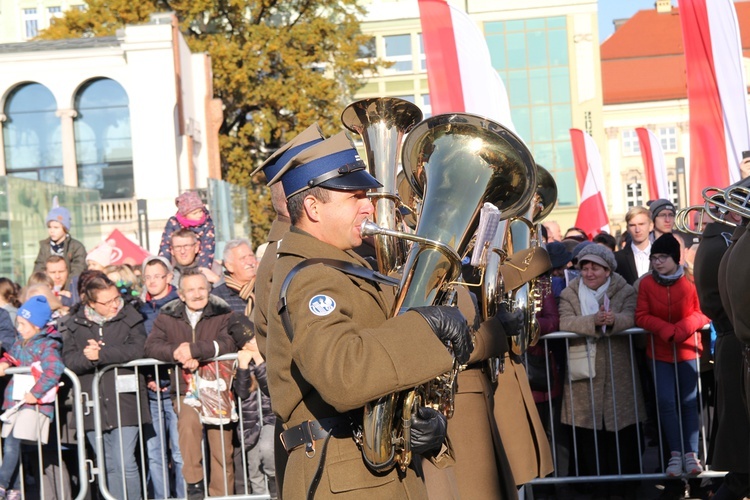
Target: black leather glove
<point>512,321</point>
<point>450,326</point>
<point>428,428</point>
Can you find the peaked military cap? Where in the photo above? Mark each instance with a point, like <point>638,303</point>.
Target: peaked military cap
<point>272,166</point>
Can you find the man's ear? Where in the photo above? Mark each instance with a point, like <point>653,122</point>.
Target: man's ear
<point>311,205</point>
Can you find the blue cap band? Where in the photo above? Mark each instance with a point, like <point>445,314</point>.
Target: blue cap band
<point>300,178</point>
<point>272,169</point>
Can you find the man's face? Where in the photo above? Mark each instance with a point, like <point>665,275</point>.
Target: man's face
<point>342,217</point>
<point>55,230</point>
<point>242,264</point>
<point>639,227</point>
<point>184,250</point>
<point>157,279</point>
<point>194,292</point>
<point>664,221</point>
<point>58,271</point>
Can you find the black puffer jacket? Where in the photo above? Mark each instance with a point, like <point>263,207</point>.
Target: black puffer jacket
<point>122,339</point>
<point>251,420</point>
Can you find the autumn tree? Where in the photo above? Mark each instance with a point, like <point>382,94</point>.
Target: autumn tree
<point>278,66</point>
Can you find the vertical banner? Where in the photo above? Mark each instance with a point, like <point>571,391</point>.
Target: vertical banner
<point>719,128</point>
<point>592,211</point>
<point>654,164</point>
<point>459,68</point>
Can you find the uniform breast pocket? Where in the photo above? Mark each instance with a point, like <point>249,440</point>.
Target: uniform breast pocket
<point>353,474</point>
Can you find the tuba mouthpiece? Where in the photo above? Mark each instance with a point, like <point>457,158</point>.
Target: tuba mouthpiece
<point>369,228</point>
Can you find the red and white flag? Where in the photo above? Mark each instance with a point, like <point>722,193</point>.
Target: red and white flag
<point>459,69</point>
<point>592,210</point>
<point>654,164</point>
<point>719,123</point>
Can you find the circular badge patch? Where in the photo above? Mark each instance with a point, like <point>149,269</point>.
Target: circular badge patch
<point>322,305</point>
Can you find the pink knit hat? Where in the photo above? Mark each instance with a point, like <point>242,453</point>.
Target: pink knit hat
<point>101,255</point>
<point>187,202</point>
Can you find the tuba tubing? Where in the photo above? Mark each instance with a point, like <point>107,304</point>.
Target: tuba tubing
<point>455,163</point>
<point>382,123</point>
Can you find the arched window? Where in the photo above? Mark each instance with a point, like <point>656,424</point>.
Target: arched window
<point>103,141</point>
<point>33,148</point>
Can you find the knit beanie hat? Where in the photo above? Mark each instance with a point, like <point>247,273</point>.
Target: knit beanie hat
<point>59,214</point>
<point>657,206</point>
<point>101,254</point>
<point>667,244</point>
<point>187,202</point>
<point>598,254</point>
<point>36,311</point>
<point>558,254</point>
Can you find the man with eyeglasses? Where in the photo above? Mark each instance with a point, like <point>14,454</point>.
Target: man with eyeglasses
<point>185,249</point>
<point>157,275</point>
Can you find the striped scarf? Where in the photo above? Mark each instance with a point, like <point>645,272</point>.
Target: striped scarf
<point>245,292</point>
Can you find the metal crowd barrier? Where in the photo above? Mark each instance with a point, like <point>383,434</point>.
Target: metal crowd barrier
<point>52,479</point>
<point>553,426</point>
<point>138,367</point>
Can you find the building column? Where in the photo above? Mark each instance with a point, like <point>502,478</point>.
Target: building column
<point>2,144</point>
<point>67,137</point>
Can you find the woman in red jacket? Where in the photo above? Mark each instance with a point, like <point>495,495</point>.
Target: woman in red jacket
<point>668,307</point>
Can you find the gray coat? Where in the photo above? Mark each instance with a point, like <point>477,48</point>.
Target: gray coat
<point>615,366</point>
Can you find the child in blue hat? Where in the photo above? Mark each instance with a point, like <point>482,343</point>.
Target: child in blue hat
<point>60,242</point>
<point>29,398</point>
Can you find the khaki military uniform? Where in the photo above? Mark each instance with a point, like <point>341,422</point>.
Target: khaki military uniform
<point>263,277</point>
<point>345,353</point>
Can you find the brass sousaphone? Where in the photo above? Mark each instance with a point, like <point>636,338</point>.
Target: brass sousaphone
<point>382,123</point>
<point>455,163</point>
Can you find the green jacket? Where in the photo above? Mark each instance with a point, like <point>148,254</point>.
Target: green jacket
<point>74,254</point>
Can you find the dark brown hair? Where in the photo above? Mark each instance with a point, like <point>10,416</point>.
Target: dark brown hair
<point>90,283</point>
<point>9,291</point>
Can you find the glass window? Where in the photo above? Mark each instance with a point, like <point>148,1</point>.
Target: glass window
<point>562,120</point>
<point>33,147</point>
<point>426,106</point>
<point>518,87</point>
<point>559,84</point>
<point>668,138</point>
<point>630,144</point>
<point>516,46</point>
<point>567,194</point>
<point>541,123</point>
<point>634,194</point>
<point>103,141</point>
<point>544,154</point>
<point>556,22</point>
<point>514,25</point>
<point>496,44</point>
<point>522,121</point>
<point>494,27</point>
<point>537,42</point>
<point>539,83</point>
<point>422,57</point>
<point>535,24</point>
<point>398,50</point>
<point>31,22</point>
<point>558,47</point>
<point>674,192</point>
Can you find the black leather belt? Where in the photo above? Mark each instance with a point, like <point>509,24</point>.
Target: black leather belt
<point>310,431</point>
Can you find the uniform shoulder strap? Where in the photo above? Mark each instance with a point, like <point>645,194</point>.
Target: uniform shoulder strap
<point>343,266</point>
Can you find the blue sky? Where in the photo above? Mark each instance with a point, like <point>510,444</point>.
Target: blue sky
<point>618,9</point>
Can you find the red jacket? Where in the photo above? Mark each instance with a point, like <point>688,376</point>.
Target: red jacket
<point>672,313</point>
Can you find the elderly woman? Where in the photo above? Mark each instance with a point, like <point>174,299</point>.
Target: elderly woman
<point>603,405</point>
<point>104,330</point>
